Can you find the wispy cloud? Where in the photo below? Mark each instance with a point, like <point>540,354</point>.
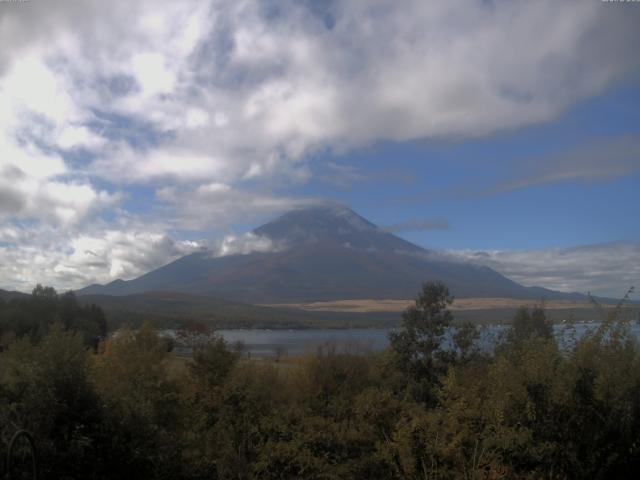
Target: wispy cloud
<point>345,175</point>
<point>219,205</point>
<point>600,159</point>
<point>419,224</point>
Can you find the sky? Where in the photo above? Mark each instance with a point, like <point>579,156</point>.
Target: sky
<point>505,133</point>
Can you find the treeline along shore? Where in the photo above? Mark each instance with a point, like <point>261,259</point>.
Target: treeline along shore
<point>124,406</point>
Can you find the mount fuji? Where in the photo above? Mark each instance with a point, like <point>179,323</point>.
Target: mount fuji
<point>320,253</point>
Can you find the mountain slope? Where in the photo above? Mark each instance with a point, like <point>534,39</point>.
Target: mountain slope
<point>10,295</point>
<point>325,252</point>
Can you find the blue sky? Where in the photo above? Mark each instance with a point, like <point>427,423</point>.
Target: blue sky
<point>505,133</point>
<point>456,181</point>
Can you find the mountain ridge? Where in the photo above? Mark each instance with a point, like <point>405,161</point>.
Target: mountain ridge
<point>7,295</point>
<point>323,252</point>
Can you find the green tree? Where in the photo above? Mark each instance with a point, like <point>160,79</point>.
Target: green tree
<point>144,408</point>
<point>418,349</point>
<point>465,340</point>
<point>46,388</point>
<point>212,362</point>
<point>32,317</point>
<point>530,325</point>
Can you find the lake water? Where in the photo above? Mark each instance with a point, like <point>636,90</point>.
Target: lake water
<point>268,343</point>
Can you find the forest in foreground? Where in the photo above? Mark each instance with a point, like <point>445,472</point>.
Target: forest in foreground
<point>124,406</point>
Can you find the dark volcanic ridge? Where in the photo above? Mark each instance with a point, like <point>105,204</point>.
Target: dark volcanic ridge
<point>7,295</point>
<point>320,253</point>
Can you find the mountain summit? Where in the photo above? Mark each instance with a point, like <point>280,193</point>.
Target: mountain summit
<point>322,252</point>
<point>318,221</point>
<point>334,224</point>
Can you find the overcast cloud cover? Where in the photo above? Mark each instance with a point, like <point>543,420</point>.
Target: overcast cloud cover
<point>214,108</point>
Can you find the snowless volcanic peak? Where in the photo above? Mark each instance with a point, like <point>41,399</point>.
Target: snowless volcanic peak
<point>326,220</point>
<point>328,252</point>
<point>331,224</point>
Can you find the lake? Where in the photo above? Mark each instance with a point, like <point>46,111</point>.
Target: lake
<point>269,343</point>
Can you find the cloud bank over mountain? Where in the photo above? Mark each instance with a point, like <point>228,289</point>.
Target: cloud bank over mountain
<point>604,269</point>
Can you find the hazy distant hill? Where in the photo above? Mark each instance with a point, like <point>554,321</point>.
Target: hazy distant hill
<point>325,252</point>
<point>9,295</point>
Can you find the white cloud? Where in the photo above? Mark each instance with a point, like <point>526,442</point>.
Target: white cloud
<point>244,244</point>
<point>280,85</point>
<point>40,197</point>
<point>73,260</point>
<point>604,269</point>
<point>215,104</point>
<point>217,205</point>
<point>125,165</point>
<point>153,74</point>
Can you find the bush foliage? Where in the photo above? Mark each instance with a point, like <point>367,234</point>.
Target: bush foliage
<point>433,406</point>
